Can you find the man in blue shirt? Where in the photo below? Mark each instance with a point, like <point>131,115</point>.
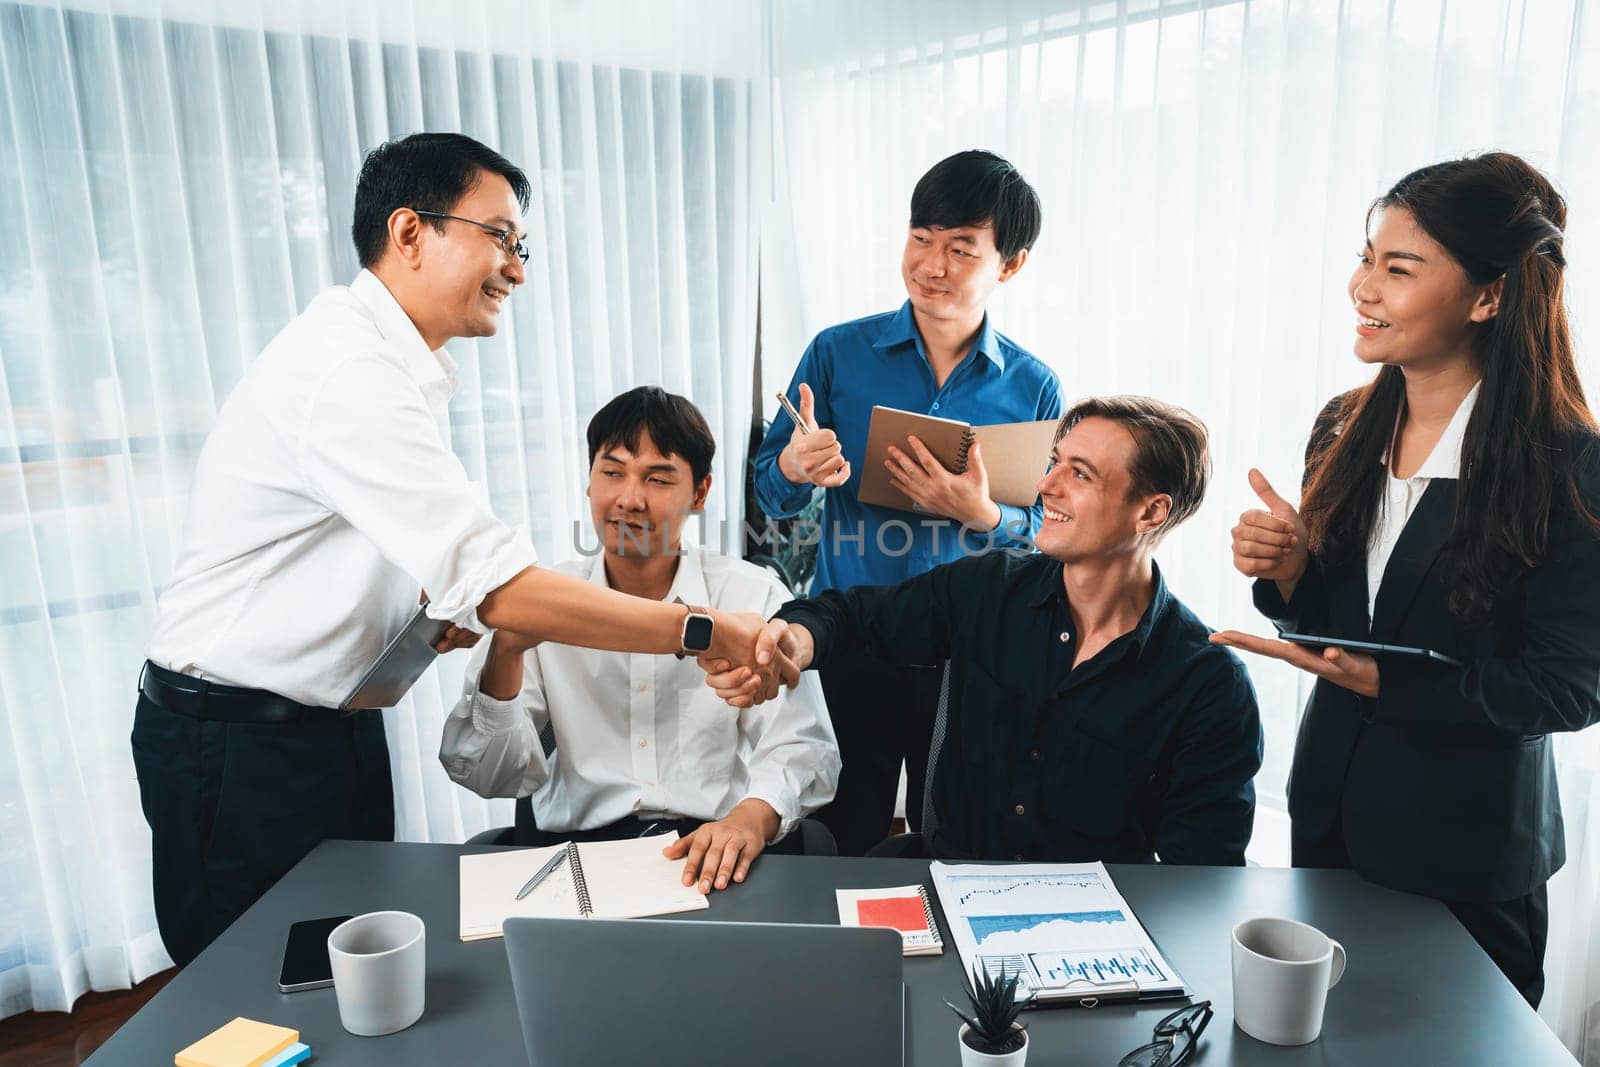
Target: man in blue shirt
<point>973,220</point>
<point>1090,717</point>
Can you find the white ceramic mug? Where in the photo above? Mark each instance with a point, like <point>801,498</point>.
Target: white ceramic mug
<point>379,963</point>
<point>1282,971</point>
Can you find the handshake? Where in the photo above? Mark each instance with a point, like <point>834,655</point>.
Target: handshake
<point>750,659</point>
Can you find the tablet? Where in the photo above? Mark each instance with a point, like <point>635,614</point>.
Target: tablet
<point>401,664</point>
<point>1369,647</point>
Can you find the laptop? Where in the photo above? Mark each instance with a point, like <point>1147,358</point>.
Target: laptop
<point>672,993</point>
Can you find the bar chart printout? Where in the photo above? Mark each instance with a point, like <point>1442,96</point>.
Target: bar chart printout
<point>1063,927</point>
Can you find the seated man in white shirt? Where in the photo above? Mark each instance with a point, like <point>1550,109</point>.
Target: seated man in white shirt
<point>641,745</point>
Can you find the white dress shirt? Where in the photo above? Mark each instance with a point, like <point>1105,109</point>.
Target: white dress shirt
<point>325,500</point>
<point>1401,495</point>
<point>644,735</point>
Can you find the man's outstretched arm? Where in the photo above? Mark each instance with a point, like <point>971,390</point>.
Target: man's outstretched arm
<point>541,605</point>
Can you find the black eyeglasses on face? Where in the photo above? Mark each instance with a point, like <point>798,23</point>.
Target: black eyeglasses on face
<point>509,241</point>
<point>1175,1038</point>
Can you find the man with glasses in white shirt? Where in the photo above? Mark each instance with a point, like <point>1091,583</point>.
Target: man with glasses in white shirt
<point>638,744</point>
<point>325,502</point>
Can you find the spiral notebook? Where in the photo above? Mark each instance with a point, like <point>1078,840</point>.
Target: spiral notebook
<point>906,908</point>
<point>624,879</point>
<point>1015,454</point>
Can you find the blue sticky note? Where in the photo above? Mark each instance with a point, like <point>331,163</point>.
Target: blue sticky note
<point>295,1053</point>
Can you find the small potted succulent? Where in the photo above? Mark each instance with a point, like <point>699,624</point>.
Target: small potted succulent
<point>991,1036</point>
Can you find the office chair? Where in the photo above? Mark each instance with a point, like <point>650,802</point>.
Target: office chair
<point>914,845</point>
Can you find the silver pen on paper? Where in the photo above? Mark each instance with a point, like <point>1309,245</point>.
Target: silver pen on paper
<point>542,873</point>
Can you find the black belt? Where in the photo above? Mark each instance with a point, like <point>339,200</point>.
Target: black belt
<point>183,694</point>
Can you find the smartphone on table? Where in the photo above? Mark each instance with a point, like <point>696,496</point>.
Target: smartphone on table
<point>305,955</point>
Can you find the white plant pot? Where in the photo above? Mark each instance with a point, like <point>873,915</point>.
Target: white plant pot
<point>971,1057</point>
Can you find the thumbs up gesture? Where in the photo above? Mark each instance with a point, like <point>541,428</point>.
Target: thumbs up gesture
<point>813,455</point>
<point>1270,543</point>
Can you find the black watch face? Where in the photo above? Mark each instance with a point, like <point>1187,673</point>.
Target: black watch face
<point>697,633</point>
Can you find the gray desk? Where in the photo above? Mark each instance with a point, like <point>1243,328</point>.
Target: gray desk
<point>1418,991</point>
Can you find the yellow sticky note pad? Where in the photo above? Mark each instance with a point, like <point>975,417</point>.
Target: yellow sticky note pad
<point>241,1043</point>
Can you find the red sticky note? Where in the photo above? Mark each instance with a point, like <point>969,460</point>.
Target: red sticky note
<point>897,913</point>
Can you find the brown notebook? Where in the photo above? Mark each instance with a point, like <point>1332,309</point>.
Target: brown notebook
<point>1014,453</point>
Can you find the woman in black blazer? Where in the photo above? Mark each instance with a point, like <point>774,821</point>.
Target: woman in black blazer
<point>1450,504</point>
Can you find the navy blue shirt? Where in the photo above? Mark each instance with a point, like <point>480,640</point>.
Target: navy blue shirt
<point>881,360</point>
<point>1144,751</point>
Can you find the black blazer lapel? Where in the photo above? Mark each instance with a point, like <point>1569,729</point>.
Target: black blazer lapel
<point>1413,557</point>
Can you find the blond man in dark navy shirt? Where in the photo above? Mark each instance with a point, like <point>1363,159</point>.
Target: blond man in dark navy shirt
<point>1089,716</point>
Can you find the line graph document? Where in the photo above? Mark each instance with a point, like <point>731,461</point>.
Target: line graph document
<point>1063,927</point>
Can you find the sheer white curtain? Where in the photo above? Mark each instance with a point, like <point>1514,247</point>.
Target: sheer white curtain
<point>177,181</point>
<point>1205,169</point>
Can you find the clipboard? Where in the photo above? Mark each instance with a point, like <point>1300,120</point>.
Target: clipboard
<point>399,665</point>
<point>1063,928</point>
<point>1083,993</point>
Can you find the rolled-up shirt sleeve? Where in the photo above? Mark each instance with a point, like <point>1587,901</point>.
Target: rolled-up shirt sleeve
<point>372,452</point>
<point>794,759</point>
<point>491,746</point>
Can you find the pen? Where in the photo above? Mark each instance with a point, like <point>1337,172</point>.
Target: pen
<point>793,414</point>
<point>542,873</point>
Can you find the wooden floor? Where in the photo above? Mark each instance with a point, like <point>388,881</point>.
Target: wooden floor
<point>60,1039</point>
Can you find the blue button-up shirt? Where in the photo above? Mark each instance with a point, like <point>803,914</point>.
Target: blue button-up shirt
<point>881,360</point>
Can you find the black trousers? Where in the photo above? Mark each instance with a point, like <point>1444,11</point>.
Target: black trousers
<point>882,715</point>
<point>1513,932</point>
<point>232,806</point>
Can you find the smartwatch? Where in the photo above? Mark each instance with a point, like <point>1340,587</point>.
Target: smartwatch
<point>696,636</point>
